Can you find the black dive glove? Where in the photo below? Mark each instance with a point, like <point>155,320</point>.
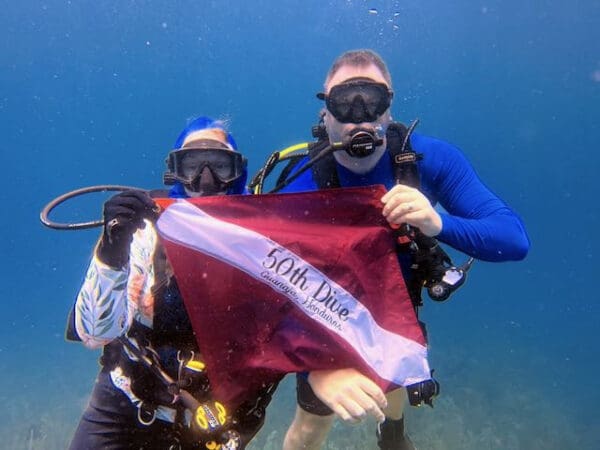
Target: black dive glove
<point>123,215</point>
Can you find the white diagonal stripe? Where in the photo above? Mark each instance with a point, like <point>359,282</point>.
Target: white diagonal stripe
<point>394,357</point>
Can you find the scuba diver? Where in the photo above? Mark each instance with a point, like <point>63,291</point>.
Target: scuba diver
<point>152,390</point>
<point>359,145</point>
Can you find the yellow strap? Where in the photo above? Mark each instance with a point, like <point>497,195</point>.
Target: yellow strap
<point>201,419</point>
<point>285,154</point>
<point>197,366</point>
<point>292,148</point>
<point>221,413</point>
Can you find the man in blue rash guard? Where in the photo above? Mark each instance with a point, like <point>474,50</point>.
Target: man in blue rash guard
<point>358,98</point>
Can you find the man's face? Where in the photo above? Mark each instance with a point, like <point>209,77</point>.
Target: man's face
<point>338,131</point>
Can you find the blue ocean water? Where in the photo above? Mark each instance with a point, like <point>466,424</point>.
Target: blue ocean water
<point>96,92</point>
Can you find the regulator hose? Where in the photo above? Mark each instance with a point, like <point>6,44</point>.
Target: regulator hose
<point>76,193</point>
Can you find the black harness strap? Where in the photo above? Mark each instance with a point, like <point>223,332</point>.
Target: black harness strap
<point>404,159</point>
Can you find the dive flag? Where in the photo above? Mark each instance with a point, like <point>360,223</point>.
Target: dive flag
<point>285,283</point>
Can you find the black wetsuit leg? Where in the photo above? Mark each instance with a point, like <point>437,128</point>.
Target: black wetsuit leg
<point>110,423</point>
<point>390,436</point>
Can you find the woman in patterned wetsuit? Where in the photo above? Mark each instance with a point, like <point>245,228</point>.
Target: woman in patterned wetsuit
<point>129,296</point>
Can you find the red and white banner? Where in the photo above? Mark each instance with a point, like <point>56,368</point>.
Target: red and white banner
<point>285,283</point>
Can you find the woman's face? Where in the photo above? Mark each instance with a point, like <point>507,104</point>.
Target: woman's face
<point>206,183</point>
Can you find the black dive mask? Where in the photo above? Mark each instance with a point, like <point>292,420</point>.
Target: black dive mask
<point>357,100</point>
<point>187,163</point>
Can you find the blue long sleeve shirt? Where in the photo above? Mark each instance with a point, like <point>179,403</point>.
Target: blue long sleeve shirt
<point>475,221</point>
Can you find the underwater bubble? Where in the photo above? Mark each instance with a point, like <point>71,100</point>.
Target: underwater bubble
<point>148,43</point>
<point>164,25</point>
<point>396,14</point>
<point>373,11</point>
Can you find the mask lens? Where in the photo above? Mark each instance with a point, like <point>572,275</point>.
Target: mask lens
<point>358,101</point>
<point>225,165</point>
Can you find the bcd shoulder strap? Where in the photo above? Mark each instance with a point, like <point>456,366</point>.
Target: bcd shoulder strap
<point>404,159</point>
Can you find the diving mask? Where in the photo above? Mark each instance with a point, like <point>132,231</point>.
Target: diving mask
<point>357,100</point>
<point>186,164</point>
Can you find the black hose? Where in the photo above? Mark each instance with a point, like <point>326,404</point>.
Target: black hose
<point>410,130</point>
<point>76,193</point>
<point>311,162</point>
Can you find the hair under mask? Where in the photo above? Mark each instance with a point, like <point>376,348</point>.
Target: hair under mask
<point>203,123</point>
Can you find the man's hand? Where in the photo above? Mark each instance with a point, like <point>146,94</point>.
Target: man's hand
<point>124,213</point>
<point>350,394</point>
<point>404,204</point>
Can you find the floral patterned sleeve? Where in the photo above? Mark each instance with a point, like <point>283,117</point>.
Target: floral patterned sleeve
<point>110,299</point>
